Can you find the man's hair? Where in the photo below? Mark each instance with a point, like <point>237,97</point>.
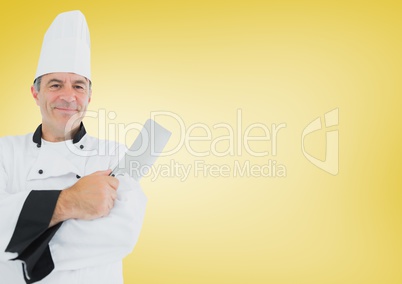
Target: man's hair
<point>39,80</point>
<point>37,83</point>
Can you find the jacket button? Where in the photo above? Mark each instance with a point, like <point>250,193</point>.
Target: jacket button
<point>78,176</point>
<point>40,172</point>
<point>81,146</point>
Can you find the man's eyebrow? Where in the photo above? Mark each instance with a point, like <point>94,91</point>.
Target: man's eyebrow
<point>54,80</point>
<point>80,82</point>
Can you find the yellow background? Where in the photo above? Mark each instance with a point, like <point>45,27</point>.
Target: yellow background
<point>279,62</point>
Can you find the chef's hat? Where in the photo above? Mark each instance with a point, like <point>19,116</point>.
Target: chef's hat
<point>66,46</point>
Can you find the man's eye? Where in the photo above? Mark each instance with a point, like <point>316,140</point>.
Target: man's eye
<point>79,87</point>
<point>55,86</point>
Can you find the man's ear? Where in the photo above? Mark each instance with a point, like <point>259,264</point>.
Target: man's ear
<point>90,95</point>
<point>34,94</point>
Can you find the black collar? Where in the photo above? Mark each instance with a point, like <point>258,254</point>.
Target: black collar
<point>37,137</point>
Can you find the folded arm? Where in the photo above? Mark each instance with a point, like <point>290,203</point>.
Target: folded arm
<point>81,243</point>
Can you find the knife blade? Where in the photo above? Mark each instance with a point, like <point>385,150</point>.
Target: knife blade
<point>144,151</point>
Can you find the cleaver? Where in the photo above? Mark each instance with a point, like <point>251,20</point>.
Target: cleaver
<point>143,153</point>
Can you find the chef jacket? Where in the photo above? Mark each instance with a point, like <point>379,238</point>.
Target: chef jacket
<point>32,174</point>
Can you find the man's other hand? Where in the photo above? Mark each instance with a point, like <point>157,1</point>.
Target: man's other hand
<point>90,198</point>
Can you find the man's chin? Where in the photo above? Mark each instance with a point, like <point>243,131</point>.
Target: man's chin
<point>66,112</point>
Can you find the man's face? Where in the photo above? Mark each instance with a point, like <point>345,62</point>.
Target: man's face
<point>61,96</point>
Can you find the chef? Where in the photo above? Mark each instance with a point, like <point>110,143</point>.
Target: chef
<point>63,218</point>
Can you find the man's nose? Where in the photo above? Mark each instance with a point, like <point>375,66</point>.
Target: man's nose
<point>68,94</point>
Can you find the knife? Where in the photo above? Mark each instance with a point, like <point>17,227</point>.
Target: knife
<point>143,153</point>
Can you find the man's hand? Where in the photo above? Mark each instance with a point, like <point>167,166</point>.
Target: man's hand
<point>90,198</point>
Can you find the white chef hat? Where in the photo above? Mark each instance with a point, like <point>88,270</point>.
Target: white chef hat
<point>66,46</point>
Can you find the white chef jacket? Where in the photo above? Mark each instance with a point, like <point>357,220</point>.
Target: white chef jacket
<point>32,174</point>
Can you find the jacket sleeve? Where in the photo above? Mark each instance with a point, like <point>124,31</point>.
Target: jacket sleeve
<point>82,243</point>
<point>24,222</point>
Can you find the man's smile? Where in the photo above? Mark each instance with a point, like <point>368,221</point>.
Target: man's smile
<point>66,109</point>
